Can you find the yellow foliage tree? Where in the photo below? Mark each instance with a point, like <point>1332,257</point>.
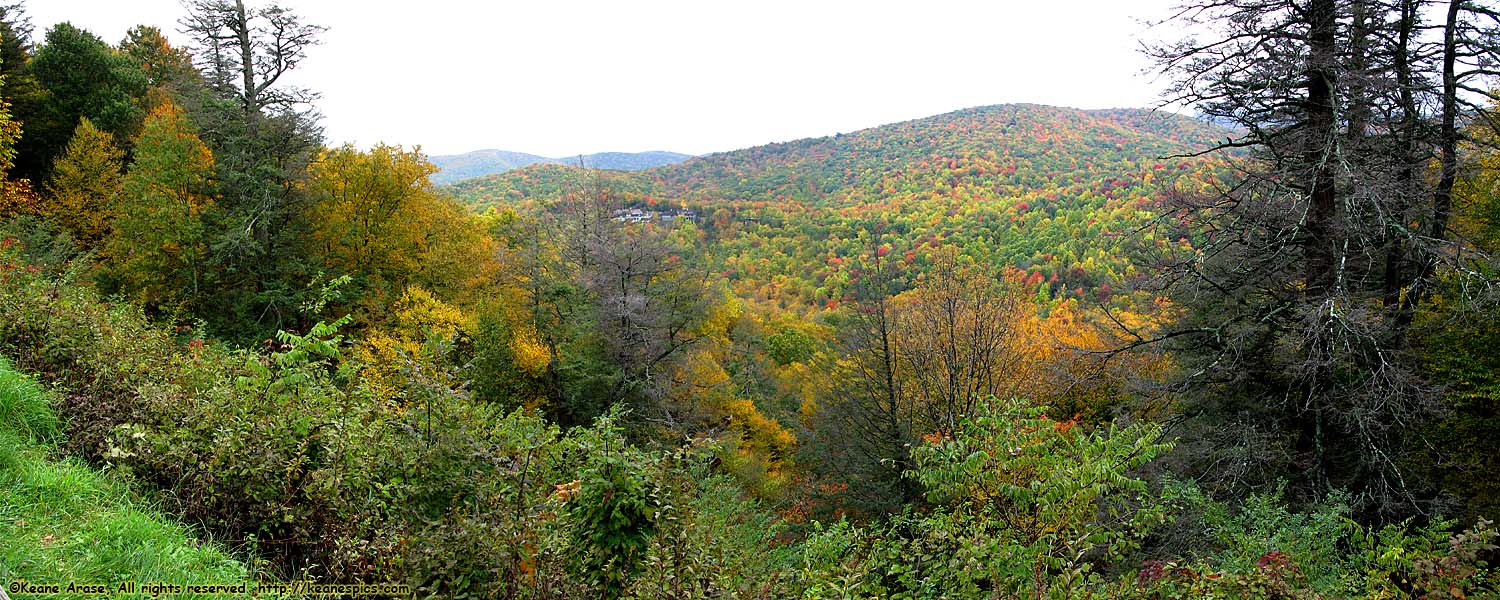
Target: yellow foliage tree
<point>1067,367</point>
<point>376,217</point>
<point>530,352</point>
<point>417,318</point>
<point>954,335</point>
<point>702,397</point>
<point>16,195</point>
<point>513,359</point>
<point>705,399</point>
<point>85,181</point>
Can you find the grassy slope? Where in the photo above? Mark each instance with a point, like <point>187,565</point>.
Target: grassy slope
<point>62,521</point>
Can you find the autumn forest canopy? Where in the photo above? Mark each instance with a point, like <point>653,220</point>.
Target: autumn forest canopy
<point>1010,351</point>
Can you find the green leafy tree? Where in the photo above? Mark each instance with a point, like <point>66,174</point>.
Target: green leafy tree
<point>150,52</point>
<point>790,345</point>
<point>26,97</point>
<point>156,254</point>
<point>613,511</point>
<point>84,77</point>
<point>85,180</point>
<point>15,37</point>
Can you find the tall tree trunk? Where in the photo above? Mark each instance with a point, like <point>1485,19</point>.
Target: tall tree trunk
<point>247,62</point>
<point>1393,277</point>
<point>1321,244</point>
<point>1358,74</point>
<point>1442,196</point>
<point>1318,157</point>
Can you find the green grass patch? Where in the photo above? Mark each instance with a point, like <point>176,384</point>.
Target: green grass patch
<point>24,407</point>
<point>63,522</point>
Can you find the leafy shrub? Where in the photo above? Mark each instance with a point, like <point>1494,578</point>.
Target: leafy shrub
<point>265,449</point>
<point>1264,550</point>
<point>790,345</point>
<point>711,541</point>
<point>1023,506</point>
<point>63,521</point>
<point>612,513</point>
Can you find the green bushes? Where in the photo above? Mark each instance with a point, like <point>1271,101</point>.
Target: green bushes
<point>261,449</point>
<point>1023,506</point>
<point>289,453</point>
<point>531,512</point>
<point>1263,550</point>
<point>62,521</point>
<point>613,513</point>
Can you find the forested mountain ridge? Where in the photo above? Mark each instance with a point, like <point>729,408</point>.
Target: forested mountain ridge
<point>1050,191</point>
<point>1011,149</point>
<point>1009,145</point>
<point>458,167</point>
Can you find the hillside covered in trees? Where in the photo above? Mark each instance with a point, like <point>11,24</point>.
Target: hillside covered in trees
<point>1050,191</point>
<point>1014,351</point>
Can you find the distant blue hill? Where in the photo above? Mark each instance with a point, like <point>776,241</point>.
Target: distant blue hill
<point>458,167</point>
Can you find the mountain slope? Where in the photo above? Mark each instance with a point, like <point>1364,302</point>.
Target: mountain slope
<point>458,167</point>
<point>627,161</point>
<point>1011,148</point>
<point>1049,191</point>
<point>1008,148</point>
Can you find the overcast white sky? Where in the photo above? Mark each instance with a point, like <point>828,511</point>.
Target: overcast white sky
<point>564,77</point>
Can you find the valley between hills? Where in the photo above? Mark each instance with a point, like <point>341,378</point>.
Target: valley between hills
<point>1010,351</point>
